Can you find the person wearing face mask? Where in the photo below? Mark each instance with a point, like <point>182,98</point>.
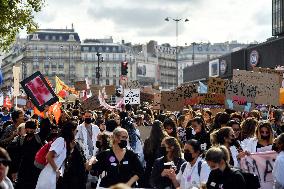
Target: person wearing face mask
<point>198,132</point>
<point>222,175</point>
<point>120,164</point>
<point>264,135</point>
<point>87,136</point>
<point>103,142</point>
<point>164,166</point>
<point>194,172</point>
<point>27,172</point>
<point>225,136</point>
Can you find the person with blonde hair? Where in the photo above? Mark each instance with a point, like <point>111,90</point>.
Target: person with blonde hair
<point>120,164</point>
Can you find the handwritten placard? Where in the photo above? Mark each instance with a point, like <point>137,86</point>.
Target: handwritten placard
<point>146,97</point>
<point>110,89</point>
<point>211,99</point>
<point>216,85</point>
<point>91,103</point>
<point>131,96</point>
<point>157,101</point>
<point>267,85</point>
<point>240,97</point>
<point>95,89</point>
<point>80,85</point>
<point>132,85</point>
<point>171,101</point>
<point>270,71</point>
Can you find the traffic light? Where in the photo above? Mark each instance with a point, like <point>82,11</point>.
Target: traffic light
<point>124,68</point>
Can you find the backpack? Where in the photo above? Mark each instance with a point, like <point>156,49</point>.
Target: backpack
<point>198,167</point>
<point>40,157</point>
<point>251,180</point>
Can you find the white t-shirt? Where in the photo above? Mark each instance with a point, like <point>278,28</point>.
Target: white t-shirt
<point>190,177</point>
<point>278,170</point>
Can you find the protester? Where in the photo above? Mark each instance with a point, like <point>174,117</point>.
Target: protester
<point>171,160</point>
<point>59,150</point>
<point>235,125</point>
<point>181,129</point>
<point>10,132</point>
<point>198,132</point>
<point>195,171</point>
<point>120,164</point>
<point>170,127</point>
<point>278,172</point>
<point>152,149</point>
<point>5,161</point>
<point>208,119</point>
<point>6,116</point>
<point>249,141</point>
<point>264,136</point>
<point>221,175</point>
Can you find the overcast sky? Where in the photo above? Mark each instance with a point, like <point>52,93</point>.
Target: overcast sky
<point>139,21</point>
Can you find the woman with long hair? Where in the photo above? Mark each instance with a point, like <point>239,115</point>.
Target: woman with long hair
<point>198,132</point>
<point>170,127</point>
<point>152,149</point>
<point>59,150</point>
<point>172,159</point>
<point>248,138</point>
<point>264,136</point>
<point>181,129</point>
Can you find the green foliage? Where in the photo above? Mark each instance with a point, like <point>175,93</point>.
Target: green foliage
<point>16,15</point>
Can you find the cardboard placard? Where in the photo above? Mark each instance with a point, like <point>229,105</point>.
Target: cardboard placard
<point>132,85</point>
<point>171,101</point>
<point>80,85</point>
<point>40,93</point>
<point>146,97</point>
<point>110,90</point>
<point>211,99</point>
<point>157,101</point>
<point>91,103</point>
<point>216,85</point>
<point>271,71</point>
<point>131,96</point>
<point>240,97</point>
<point>95,89</point>
<point>147,89</point>
<point>267,85</point>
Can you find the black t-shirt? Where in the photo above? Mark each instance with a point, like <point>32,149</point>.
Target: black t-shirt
<point>228,179</point>
<point>117,172</point>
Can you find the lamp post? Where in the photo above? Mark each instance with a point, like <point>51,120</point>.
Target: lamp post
<point>176,20</point>
<point>98,68</point>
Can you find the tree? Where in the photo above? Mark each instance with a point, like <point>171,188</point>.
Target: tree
<point>16,15</point>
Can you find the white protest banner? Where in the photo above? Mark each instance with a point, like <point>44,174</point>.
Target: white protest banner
<point>16,75</point>
<point>131,96</point>
<point>260,164</point>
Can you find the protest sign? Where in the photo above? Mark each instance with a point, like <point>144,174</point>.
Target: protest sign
<point>40,93</point>
<point>131,96</point>
<point>157,101</point>
<point>80,85</point>
<point>91,103</point>
<point>270,71</point>
<point>132,85</point>
<point>267,88</point>
<point>147,89</point>
<point>240,97</point>
<point>16,75</point>
<point>211,99</point>
<point>146,97</point>
<point>187,93</point>
<point>216,85</point>
<point>21,101</point>
<point>110,89</point>
<point>95,89</point>
<point>171,101</point>
<point>260,164</point>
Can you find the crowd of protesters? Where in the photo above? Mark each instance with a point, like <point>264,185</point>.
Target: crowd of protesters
<point>192,148</point>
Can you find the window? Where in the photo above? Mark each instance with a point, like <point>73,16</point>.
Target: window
<point>120,56</point>
<point>93,57</point>
<point>46,37</point>
<point>71,37</point>
<point>53,38</point>
<point>114,82</point>
<point>114,57</point>
<point>113,49</point>
<point>86,49</point>
<point>107,57</point>
<point>85,57</point>
<point>60,38</point>
<point>107,82</point>
<point>107,71</point>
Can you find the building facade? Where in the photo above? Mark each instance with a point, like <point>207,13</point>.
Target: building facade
<point>277,17</point>
<point>200,52</point>
<point>53,52</point>
<point>110,68</point>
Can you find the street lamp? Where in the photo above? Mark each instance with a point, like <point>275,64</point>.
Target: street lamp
<point>98,68</point>
<point>177,20</point>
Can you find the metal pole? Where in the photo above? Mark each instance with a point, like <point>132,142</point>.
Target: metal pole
<point>69,77</point>
<point>177,20</point>
<point>193,57</point>
<point>98,69</point>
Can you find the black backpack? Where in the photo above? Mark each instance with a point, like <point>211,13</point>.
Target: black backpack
<point>252,180</point>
